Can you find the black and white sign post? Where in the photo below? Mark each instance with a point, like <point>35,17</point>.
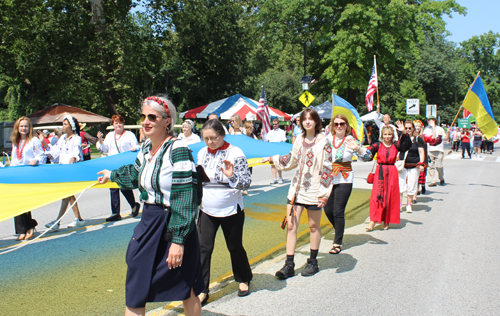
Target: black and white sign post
<point>412,107</point>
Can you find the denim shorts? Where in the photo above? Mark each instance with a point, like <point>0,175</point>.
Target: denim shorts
<point>308,207</point>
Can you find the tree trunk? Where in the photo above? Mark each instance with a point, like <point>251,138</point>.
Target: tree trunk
<point>100,28</point>
<point>351,97</point>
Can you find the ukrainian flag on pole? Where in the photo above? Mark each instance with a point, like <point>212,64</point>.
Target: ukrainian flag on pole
<point>476,102</point>
<point>341,106</point>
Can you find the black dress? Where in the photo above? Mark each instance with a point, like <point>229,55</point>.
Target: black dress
<point>148,277</point>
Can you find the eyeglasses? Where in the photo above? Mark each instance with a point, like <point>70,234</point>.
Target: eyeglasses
<point>210,139</point>
<point>409,127</point>
<point>151,117</point>
<point>276,123</point>
<point>339,124</point>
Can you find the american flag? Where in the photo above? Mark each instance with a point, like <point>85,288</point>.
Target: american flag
<point>372,87</point>
<point>263,112</point>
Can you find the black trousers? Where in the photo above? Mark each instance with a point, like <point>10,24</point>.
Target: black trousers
<point>465,146</point>
<point>232,227</point>
<point>115,199</point>
<point>335,209</point>
<point>24,222</point>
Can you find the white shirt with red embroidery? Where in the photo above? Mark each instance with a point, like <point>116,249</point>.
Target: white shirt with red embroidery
<point>313,165</point>
<point>341,153</point>
<point>31,150</point>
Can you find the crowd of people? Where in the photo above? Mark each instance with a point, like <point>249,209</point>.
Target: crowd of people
<point>169,254</point>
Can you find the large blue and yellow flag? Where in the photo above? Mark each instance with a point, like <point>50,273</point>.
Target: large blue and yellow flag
<point>341,106</point>
<point>26,188</point>
<point>477,103</point>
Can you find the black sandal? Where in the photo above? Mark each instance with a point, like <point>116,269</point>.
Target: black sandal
<point>335,250</point>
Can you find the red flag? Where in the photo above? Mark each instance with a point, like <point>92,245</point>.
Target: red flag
<point>263,112</point>
<point>372,87</point>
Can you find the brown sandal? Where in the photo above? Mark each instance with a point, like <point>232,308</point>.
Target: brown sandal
<point>335,250</point>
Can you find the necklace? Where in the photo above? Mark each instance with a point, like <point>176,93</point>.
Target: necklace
<point>157,148</point>
<point>120,136</point>
<point>337,147</point>
<point>312,141</point>
<point>19,153</point>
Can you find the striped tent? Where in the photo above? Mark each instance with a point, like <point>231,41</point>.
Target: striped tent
<point>237,104</point>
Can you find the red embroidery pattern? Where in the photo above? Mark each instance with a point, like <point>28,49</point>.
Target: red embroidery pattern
<point>284,160</point>
<point>326,176</point>
<point>223,147</point>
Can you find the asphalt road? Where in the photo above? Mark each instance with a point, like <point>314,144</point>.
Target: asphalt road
<point>441,260</point>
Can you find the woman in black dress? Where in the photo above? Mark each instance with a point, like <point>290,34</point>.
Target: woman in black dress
<point>163,256</point>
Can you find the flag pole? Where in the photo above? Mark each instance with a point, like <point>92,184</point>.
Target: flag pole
<point>458,112</point>
<point>333,108</point>
<point>376,71</point>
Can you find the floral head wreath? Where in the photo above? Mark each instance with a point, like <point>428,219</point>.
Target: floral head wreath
<point>418,122</point>
<point>160,102</point>
<point>71,121</point>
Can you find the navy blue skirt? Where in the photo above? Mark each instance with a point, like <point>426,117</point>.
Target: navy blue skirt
<point>148,277</point>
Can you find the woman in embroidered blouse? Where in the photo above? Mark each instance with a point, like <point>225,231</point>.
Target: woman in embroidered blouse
<point>68,150</point>
<point>27,149</point>
<point>310,188</point>
<point>384,201</point>
<point>187,134</point>
<point>163,256</point>
<point>116,142</point>
<point>222,205</point>
<point>343,147</point>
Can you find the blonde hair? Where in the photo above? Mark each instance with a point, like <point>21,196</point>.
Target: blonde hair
<point>248,127</point>
<point>162,111</point>
<point>15,136</point>
<point>238,122</point>
<point>384,129</point>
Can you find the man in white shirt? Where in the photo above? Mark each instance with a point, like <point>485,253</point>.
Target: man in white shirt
<point>386,123</point>
<point>274,136</point>
<point>436,153</point>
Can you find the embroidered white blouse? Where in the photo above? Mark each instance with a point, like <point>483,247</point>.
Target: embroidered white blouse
<point>342,154</point>
<point>125,143</point>
<point>67,148</point>
<point>222,195</point>
<point>32,150</point>
<point>193,139</point>
<point>316,175</point>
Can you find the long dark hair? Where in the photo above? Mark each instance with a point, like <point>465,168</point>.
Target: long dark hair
<point>317,120</point>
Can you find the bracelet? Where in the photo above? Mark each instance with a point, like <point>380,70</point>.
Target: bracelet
<point>420,164</point>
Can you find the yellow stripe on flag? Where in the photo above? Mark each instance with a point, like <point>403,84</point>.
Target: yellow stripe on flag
<point>21,198</point>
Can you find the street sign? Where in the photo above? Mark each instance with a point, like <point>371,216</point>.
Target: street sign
<point>431,110</point>
<point>463,123</point>
<point>306,98</point>
<point>412,106</point>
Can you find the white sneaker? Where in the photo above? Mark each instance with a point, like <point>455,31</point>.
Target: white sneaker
<point>55,228</point>
<point>280,181</point>
<point>274,181</point>
<point>76,223</point>
<point>408,209</point>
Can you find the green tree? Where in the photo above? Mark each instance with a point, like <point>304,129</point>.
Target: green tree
<point>481,53</point>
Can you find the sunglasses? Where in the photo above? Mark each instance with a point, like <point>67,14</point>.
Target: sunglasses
<point>339,124</point>
<point>151,117</point>
<point>409,127</point>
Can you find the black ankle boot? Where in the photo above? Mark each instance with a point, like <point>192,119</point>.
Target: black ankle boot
<point>287,271</point>
<point>311,268</point>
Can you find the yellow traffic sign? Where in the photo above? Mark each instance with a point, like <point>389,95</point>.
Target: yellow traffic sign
<point>306,98</point>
